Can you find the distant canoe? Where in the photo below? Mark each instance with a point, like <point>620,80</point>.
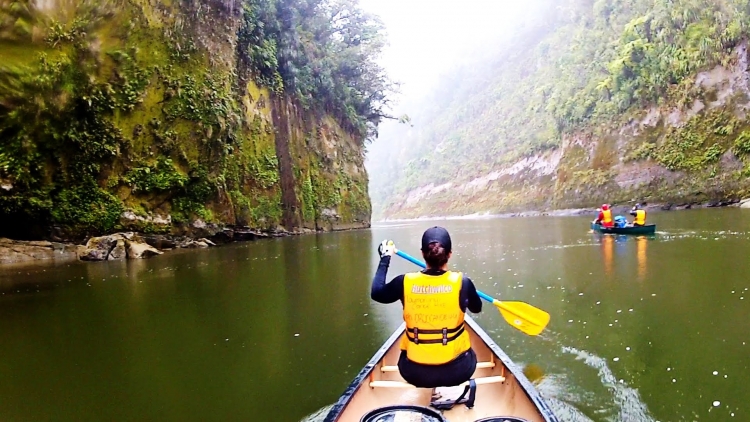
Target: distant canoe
<point>649,229</point>
<point>503,391</point>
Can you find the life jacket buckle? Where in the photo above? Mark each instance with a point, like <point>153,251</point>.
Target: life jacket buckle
<point>445,336</point>
<point>415,330</point>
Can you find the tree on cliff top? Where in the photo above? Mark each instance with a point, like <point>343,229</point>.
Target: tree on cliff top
<point>323,52</point>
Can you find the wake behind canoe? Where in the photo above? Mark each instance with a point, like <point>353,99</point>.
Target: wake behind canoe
<point>635,230</point>
<point>502,389</point>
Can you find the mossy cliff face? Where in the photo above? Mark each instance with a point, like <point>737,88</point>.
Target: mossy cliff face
<point>694,148</point>
<point>141,115</point>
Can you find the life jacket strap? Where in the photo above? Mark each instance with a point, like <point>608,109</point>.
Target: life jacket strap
<point>441,331</point>
<point>414,337</point>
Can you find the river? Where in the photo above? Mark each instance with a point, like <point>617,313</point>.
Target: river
<point>643,329</point>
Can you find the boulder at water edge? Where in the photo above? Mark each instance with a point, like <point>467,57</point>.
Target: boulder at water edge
<point>141,250</point>
<point>116,246</point>
<point>119,251</point>
<point>98,248</point>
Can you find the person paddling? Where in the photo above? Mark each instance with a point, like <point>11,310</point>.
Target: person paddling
<point>435,350</point>
<point>640,215</point>
<point>605,217</point>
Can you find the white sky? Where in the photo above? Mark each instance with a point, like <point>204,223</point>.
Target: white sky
<point>428,37</point>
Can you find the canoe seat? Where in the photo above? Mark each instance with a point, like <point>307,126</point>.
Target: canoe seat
<point>480,365</point>
<point>402,384</point>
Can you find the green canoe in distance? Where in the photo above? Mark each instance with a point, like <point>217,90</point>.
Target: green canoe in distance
<point>648,229</point>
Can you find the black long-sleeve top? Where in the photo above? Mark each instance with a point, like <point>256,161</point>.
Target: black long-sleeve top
<point>390,292</point>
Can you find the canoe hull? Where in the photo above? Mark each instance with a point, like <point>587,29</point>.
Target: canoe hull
<point>638,230</point>
<point>515,396</point>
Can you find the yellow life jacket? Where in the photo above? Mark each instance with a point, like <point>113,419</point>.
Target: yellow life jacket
<point>606,216</point>
<point>435,332</point>
<point>640,218</point>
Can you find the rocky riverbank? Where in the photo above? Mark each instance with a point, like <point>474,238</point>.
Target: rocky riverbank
<point>18,251</point>
<point>129,245</point>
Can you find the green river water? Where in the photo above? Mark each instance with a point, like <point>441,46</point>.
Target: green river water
<point>643,329</point>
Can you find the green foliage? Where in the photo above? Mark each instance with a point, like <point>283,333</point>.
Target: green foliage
<point>308,200</point>
<point>261,211</point>
<point>721,123</point>
<point>207,100</point>
<point>87,208</point>
<point>742,143</point>
<point>73,33</point>
<point>61,96</point>
<point>591,178</point>
<point>258,42</point>
<point>645,151</point>
<point>55,126</point>
<point>162,176</point>
<point>35,204</point>
<point>17,19</point>
<point>324,52</point>
<point>696,144</point>
<point>267,210</point>
<point>242,206</point>
<point>328,195</point>
<point>265,170</point>
<point>192,198</point>
<point>679,151</point>
<point>712,154</point>
<point>131,81</point>
<point>357,201</point>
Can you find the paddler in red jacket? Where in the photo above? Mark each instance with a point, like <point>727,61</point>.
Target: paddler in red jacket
<point>605,217</point>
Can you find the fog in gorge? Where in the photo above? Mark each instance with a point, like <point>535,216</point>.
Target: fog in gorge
<point>433,47</point>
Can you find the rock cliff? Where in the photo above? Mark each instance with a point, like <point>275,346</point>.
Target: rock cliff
<point>681,155</point>
<point>155,116</point>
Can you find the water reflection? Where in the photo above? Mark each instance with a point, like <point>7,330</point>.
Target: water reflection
<point>641,243</point>
<point>617,248</point>
<point>608,243</point>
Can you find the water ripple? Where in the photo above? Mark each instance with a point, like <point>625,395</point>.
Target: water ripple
<point>627,399</point>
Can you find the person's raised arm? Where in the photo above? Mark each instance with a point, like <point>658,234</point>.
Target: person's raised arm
<point>381,291</point>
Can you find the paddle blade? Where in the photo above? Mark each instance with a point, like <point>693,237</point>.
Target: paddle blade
<point>522,316</point>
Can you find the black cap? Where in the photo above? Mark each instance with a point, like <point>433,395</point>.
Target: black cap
<point>436,234</point>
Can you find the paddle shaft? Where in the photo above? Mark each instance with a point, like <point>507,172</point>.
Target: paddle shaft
<point>422,264</point>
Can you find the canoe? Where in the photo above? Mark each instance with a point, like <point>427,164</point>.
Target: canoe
<point>503,393</point>
<point>648,229</point>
